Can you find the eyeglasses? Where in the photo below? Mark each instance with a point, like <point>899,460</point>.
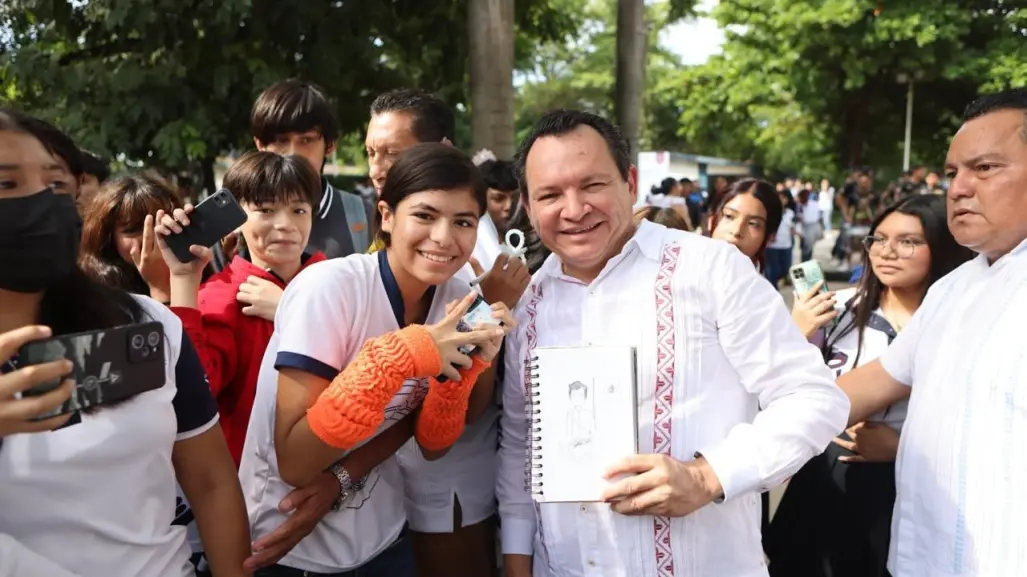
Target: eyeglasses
<point>904,248</point>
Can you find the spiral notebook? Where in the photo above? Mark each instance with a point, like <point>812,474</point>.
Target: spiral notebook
<point>582,415</point>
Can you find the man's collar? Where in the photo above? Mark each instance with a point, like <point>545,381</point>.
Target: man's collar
<point>648,237</point>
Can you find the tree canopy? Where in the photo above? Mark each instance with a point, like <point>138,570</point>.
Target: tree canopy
<point>809,86</point>
<point>171,83</point>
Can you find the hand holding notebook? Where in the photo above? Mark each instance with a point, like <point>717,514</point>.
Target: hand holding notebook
<point>661,485</point>
<point>582,419</point>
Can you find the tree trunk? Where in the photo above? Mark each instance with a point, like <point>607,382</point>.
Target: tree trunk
<point>630,83</point>
<point>491,30</point>
<point>207,173</point>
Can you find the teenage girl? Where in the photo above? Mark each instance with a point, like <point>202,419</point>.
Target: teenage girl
<point>357,341</point>
<point>94,495</point>
<point>835,517</point>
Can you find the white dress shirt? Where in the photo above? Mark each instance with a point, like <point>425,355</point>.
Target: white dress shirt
<point>714,342</point>
<point>961,509</point>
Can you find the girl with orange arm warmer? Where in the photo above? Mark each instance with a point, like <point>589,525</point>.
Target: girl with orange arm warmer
<point>369,351</point>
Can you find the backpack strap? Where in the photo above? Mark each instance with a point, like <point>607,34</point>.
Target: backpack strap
<point>356,215</point>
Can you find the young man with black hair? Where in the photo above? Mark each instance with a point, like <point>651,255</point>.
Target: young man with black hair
<point>295,117</point>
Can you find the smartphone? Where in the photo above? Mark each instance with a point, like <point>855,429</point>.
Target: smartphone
<point>478,313</point>
<point>211,220</point>
<point>110,365</point>
<point>806,274</point>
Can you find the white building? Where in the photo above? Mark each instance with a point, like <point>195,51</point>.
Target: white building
<point>654,166</point>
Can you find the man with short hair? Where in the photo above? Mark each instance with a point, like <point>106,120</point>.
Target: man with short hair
<point>714,344</point>
<point>296,117</point>
<point>400,119</point>
<point>960,510</point>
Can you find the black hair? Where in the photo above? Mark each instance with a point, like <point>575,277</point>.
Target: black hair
<point>685,180</point>
<point>666,186</point>
<point>260,177</point>
<point>56,142</point>
<point>75,303</point>
<point>95,165</point>
<point>764,192</point>
<point>1015,99</point>
<point>535,253</point>
<point>946,256</point>
<point>429,166</point>
<point>499,174</point>
<point>293,106</point>
<point>561,122</point>
<point>791,199</point>
<point>433,119</point>
<point>577,386</point>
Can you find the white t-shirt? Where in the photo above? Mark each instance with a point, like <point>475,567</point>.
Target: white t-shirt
<point>98,497</point>
<point>783,238</point>
<point>468,469</point>
<point>811,211</point>
<point>487,248</point>
<point>843,341</point>
<point>325,315</point>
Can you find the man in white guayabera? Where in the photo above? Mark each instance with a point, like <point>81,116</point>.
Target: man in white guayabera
<point>714,344</point>
<point>960,509</point>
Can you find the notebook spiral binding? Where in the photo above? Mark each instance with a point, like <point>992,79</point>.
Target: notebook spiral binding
<point>532,410</point>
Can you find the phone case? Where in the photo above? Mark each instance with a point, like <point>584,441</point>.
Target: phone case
<point>211,220</point>
<point>110,364</point>
<point>806,274</point>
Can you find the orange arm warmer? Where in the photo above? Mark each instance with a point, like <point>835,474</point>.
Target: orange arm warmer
<point>353,406</point>
<point>444,411</point>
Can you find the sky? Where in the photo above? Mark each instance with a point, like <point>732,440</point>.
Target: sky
<point>694,40</point>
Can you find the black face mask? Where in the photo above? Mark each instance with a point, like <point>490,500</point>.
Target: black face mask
<point>39,239</point>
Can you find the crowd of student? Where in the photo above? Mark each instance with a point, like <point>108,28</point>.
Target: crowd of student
<point>322,414</point>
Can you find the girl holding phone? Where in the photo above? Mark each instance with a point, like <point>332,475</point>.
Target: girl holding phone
<point>835,517</point>
<point>94,496</point>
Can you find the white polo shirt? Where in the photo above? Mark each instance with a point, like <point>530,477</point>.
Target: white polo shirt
<point>98,497</point>
<point>961,509</point>
<point>325,315</point>
<point>468,470</point>
<point>844,349</point>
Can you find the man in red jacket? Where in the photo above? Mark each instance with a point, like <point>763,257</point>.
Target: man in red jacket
<point>230,319</point>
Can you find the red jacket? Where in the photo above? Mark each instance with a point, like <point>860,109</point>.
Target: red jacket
<point>230,344</point>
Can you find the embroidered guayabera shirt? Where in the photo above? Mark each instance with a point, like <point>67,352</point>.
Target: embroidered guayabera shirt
<point>715,342</point>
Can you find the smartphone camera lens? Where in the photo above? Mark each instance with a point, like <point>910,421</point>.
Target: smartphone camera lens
<point>138,341</point>
<point>153,339</point>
